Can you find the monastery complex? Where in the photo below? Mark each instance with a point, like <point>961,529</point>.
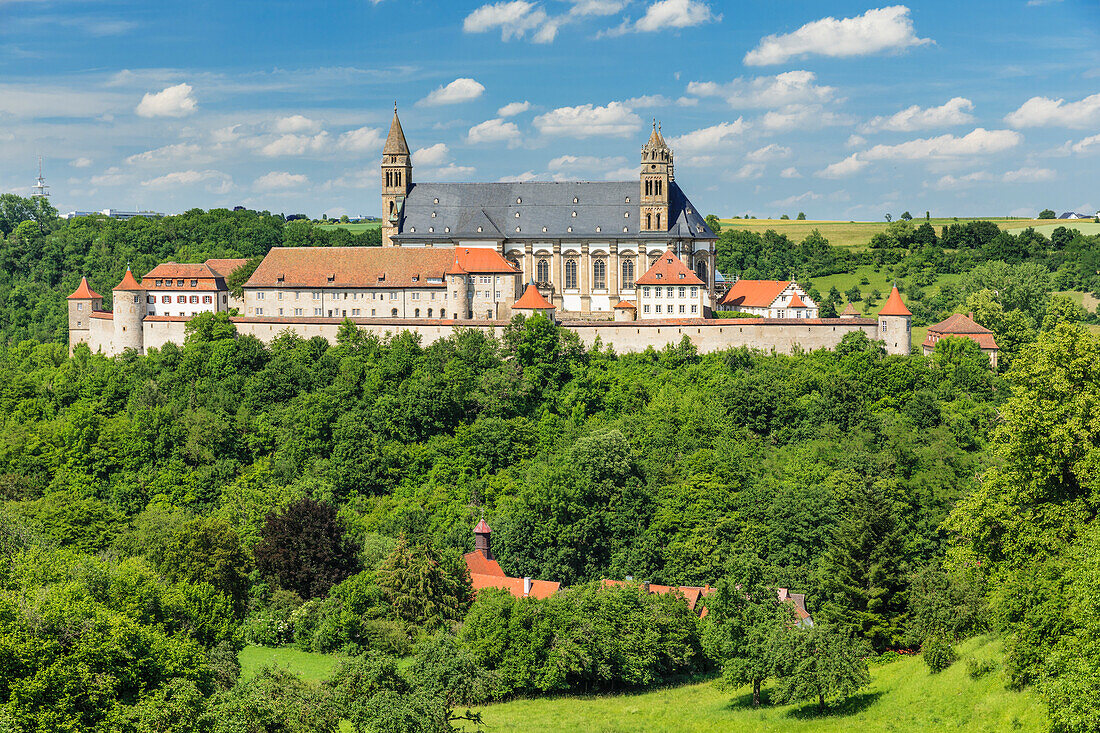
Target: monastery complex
<point>631,263</point>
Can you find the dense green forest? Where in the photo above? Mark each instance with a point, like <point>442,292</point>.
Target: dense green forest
<point>160,511</point>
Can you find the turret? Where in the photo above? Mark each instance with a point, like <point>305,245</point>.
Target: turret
<point>895,325</point>
<point>656,175</point>
<point>459,289</point>
<point>129,312</point>
<point>396,179</point>
<point>82,302</point>
<point>482,542</point>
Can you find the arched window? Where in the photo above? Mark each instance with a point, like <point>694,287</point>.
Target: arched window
<point>416,313</point>
<point>393,313</point>
<point>648,217</point>
<point>542,271</point>
<point>658,182</point>
<point>701,269</point>
<point>571,274</point>
<point>442,312</point>
<point>599,274</point>
<point>658,221</point>
<point>429,313</point>
<point>391,208</point>
<point>648,187</point>
<point>628,274</point>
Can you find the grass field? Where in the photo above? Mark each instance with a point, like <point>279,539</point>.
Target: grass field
<point>857,233</point>
<point>1085,227</point>
<point>307,665</point>
<point>903,696</point>
<point>356,228</point>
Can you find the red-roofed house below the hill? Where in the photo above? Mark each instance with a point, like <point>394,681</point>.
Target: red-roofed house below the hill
<point>960,326</point>
<point>669,289</point>
<point>769,299</point>
<point>485,571</point>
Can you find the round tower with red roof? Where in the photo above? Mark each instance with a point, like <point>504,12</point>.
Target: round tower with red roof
<point>128,314</point>
<point>895,325</point>
<point>82,303</point>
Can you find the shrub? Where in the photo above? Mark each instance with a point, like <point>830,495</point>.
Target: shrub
<point>938,654</point>
<point>978,668</point>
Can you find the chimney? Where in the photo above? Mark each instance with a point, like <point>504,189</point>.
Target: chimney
<point>970,315</point>
<point>527,585</point>
<point>481,540</point>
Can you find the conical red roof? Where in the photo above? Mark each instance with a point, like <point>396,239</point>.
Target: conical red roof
<point>128,282</point>
<point>83,291</point>
<point>532,299</point>
<point>894,305</point>
<point>796,302</point>
<point>850,310</point>
<point>626,305</point>
<point>482,528</point>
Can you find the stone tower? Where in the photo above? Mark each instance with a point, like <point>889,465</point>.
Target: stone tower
<point>128,313</point>
<point>397,173</point>
<point>82,302</point>
<point>655,178</point>
<point>460,290</point>
<point>895,325</point>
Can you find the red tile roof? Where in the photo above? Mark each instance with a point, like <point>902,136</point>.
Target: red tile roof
<point>478,563</point>
<point>482,259</point>
<point>669,270</point>
<point>107,315</point>
<point>128,282</point>
<point>626,304</point>
<point>957,325</point>
<point>225,267</point>
<point>83,291</point>
<point>482,527</point>
<point>983,340</point>
<point>850,310</point>
<point>691,593</point>
<point>532,299</point>
<point>754,293</point>
<point>894,305</point>
<point>796,302</point>
<point>539,588</point>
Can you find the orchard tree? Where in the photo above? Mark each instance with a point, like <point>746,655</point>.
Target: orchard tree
<point>801,216</point>
<point>822,663</point>
<point>305,549</point>
<point>1047,214</point>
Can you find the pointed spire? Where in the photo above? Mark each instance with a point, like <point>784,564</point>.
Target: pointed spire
<point>395,141</point>
<point>84,291</point>
<point>656,142</point>
<point>129,282</point>
<point>895,306</point>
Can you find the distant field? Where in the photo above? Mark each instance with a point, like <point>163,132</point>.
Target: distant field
<point>903,696</point>
<point>857,233</point>
<point>355,228</point>
<point>1085,227</point>
<point>307,665</point>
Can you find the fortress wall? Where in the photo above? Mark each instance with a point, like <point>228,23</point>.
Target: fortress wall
<point>156,333</point>
<point>101,335</point>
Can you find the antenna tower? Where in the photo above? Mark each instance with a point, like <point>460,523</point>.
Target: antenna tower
<point>40,189</point>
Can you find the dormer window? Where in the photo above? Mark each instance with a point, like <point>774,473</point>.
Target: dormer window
<point>574,214</point>
<point>658,275</point>
<point>160,283</point>
<point>446,229</point>
<point>435,201</point>
<point>569,229</point>
<point>433,214</point>
<point>544,230</point>
<point>628,199</point>
<point>479,229</point>
<point>431,230</point>
<point>681,276</point>
<point>624,229</point>
<point>597,229</point>
<point>626,214</point>
<point>517,214</point>
<point>412,229</point>
<point>519,201</point>
<point>517,229</point>
<point>332,277</point>
<point>576,200</point>
<point>281,277</point>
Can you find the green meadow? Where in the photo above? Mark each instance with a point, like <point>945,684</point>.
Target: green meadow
<point>858,233</point>
<point>354,228</point>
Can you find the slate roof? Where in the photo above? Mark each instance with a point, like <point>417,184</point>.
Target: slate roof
<point>463,207</point>
<point>84,291</point>
<point>668,269</point>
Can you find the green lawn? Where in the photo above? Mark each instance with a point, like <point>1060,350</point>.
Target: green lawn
<point>903,696</point>
<point>356,228</point>
<point>307,665</point>
<point>858,233</point>
<point>1085,227</point>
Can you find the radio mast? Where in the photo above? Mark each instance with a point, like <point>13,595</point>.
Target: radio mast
<point>40,189</point>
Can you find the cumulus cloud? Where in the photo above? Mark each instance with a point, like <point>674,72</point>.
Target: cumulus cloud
<point>944,147</point>
<point>1087,145</point>
<point>791,172</point>
<point>955,111</point>
<point>449,172</point>
<point>80,162</point>
<point>492,131</point>
<point>768,152</point>
<point>768,92</point>
<point>647,100</point>
<point>513,108</point>
<point>878,30</point>
<point>799,199</point>
<point>1046,112</point>
<point>514,19</point>
<point>801,117</point>
<point>748,171</point>
<point>295,145</point>
<point>169,153</point>
<point>666,14</point>
<point>361,140</point>
<point>519,177</point>
<point>296,123</point>
<point>855,141</point>
<point>1029,175</point>
<point>175,101</point>
<point>951,182</point>
<point>215,181</point>
<point>585,162</point>
<point>597,7</point>
<point>433,155</point>
<point>113,176</point>
<point>462,89</point>
<point>276,180</point>
<point>709,138</point>
<point>586,120</point>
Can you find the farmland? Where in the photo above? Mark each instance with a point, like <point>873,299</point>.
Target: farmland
<point>858,234</point>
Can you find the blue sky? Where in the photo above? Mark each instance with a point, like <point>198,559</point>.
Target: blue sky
<point>843,110</point>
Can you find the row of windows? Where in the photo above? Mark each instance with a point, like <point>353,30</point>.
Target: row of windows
<point>316,295</point>
<point>179,283</point>
<point>355,312</point>
<point>670,292</point>
<point>657,309</point>
<point>182,299</point>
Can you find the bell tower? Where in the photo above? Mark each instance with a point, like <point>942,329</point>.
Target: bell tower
<point>396,179</point>
<point>655,178</point>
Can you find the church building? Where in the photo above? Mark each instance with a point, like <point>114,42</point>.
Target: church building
<point>584,244</point>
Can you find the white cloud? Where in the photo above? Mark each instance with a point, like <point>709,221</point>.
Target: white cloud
<point>597,7</point>
<point>1087,145</point>
<point>748,171</point>
<point>514,19</point>
<point>944,147</point>
<point>42,100</point>
<point>625,173</point>
<point>666,14</point>
<point>878,30</point>
<point>855,141</point>
<point>175,101</point>
<point>1029,175</point>
<point>799,199</point>
<point>687,102</point>
<point>768,152</point>
<point>296,123</point>
<point>791,172</point>
<point>81,162</point>
<point>585,162</point>
<point>276,180</point>
<point>434,155</point>
<point>802,117</point>
<point>519,178</point>
<point>513,108</point>
<point>226,134</point>
<point>449,172</point>
<point>216,181</point>
<point>767,92</point>
<point>296,144</point>
<point>111,177</point>
<point>647,100</point>
<point>1046,112</point>
<point>955,111</point>
<point>494,131</point>
<point>177,152</point>
<point>587,120</point>
<point>709,138</point>
<point>950,182</point>
<point>462,89</point>
<point>361,140</point>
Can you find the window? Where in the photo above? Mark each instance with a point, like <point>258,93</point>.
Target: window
<point>259,311</point>
<point>683,292</point>
<point>194,283</point>
<point>207,299</point>
<point>695,292</point>
<point>150,299</point>
<point>628,275</point>
<point>416,313</point>
<point>570,274</point>
<point>166,299</point>
<point>657,308</point>
<point>670,291</point>
<point>297,311</point>
<point>782,313</point>
<point>884,326</point>
<point>701,269</point>
<point>442,312</point>
<point>414,296</point>
<point>645,292</point>
<point>280,311</point>
<point>160,283</point>
<point>393,313</point>
<point>372,311</point>
<point>393,295</point>
<point>260,296</point>
<point>429,313</point>
<point>181,298</point>
<point>316,295</point>
<point>645,309</point>
<point>498,295</point>
<point>681,309</point>
<point>599,275</point>
<point>80,306</point>
<point>542,271</point>
<point>694,309</point>
<point>179,284</point>
<point>318,312</point>
<point>280,295</point>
